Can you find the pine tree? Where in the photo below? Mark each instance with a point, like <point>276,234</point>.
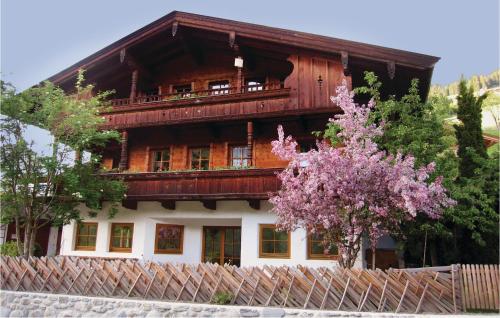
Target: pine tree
<point>469,132</point>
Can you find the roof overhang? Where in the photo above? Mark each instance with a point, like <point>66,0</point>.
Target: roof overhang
<point>279,36</point>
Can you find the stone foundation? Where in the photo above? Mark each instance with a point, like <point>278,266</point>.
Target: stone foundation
<point>25,304</point>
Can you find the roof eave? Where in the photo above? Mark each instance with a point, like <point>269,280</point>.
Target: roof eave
<point>259,32</point>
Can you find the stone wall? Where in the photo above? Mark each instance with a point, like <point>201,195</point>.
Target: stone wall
<point>24,304</point>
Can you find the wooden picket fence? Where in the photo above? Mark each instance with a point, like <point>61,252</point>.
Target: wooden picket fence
<point>431,290</point>
<point>480,287</point>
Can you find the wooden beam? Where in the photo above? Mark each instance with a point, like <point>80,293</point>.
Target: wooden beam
<point>391,69</point>
<point>209,204</point>
<point>254,204</point>
<point>168,204</point>
<point>232,38</point>
<point>344,57</point>
<point>133,85</point>
<point>175,27</point>
<point>129,204</point>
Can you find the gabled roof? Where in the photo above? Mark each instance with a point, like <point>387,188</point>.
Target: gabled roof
<point>257,32</point>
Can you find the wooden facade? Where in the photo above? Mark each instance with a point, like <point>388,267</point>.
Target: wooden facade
<point>193,82</point>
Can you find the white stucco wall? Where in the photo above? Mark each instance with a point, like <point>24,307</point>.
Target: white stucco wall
<point>52,244</point>
<point>193,216</point>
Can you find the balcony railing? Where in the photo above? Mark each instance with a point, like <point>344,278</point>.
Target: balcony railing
<point>228,184</point>
<point>195,95</point>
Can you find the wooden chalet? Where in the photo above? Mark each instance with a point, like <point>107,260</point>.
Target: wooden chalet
<point>197,101</point>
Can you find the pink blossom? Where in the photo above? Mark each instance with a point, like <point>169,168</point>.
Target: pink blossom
<point>355,190</point>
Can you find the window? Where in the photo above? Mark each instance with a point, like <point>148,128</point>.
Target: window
<point>183,90</point>
<point>219,87</point>
<point>160,160</point>
<point>316,249</point>
<point>200,158</point>
<point>254,84</point>
<point>240,156</point>
<point>121,237</point>
<point>221,244</point>
<point>273,243</point>
<point>169,239</point>
<point>86,234</point>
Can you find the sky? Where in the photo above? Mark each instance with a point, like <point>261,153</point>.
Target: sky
<point>41,38</point>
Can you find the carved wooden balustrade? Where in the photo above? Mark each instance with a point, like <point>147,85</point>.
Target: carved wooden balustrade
<point>196,96</point>
<point>207,186</point>
<point>198,106</point>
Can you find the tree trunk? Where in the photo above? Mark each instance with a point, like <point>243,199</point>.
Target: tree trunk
<point>400,252</point>
<point>425,250</point>
<point>348,254</point>
<point>27,239</point>
<point>18,235</point>
<point>374,252</point>
<point>32,241</point>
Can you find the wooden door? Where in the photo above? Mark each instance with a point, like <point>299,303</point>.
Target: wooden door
<point>222,244</point>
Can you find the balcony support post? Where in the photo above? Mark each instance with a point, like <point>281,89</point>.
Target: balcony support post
<point>133,85</point>
<point>239,81</point>
<point>123,165</point>
<point>250,142</point>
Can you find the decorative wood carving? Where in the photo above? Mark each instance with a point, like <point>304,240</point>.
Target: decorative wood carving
<point>222,107</point>
<point>124,151</point>
<point>129,204</point>
<point>344,57</point>
<point>168,204</point>
<point>232,38</point>
<point>391,69</point>
<point>209,204</point>
<point>123,52</point>
<point>250,184</point>
<point>175,26</point>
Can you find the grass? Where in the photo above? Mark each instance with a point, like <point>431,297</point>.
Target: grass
<point>491,131</point>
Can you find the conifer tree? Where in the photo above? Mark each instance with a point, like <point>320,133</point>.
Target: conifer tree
<point>469,132</point>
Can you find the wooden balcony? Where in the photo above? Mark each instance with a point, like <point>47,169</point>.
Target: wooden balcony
<point>205,186</point>
<point>194,97</point>
<point>197,106</point>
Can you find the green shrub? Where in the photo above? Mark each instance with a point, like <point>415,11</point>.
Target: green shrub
<point>9,249</point>
<point>222,298</point>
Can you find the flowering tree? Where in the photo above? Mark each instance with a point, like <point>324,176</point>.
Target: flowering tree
<point>352,190</point>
